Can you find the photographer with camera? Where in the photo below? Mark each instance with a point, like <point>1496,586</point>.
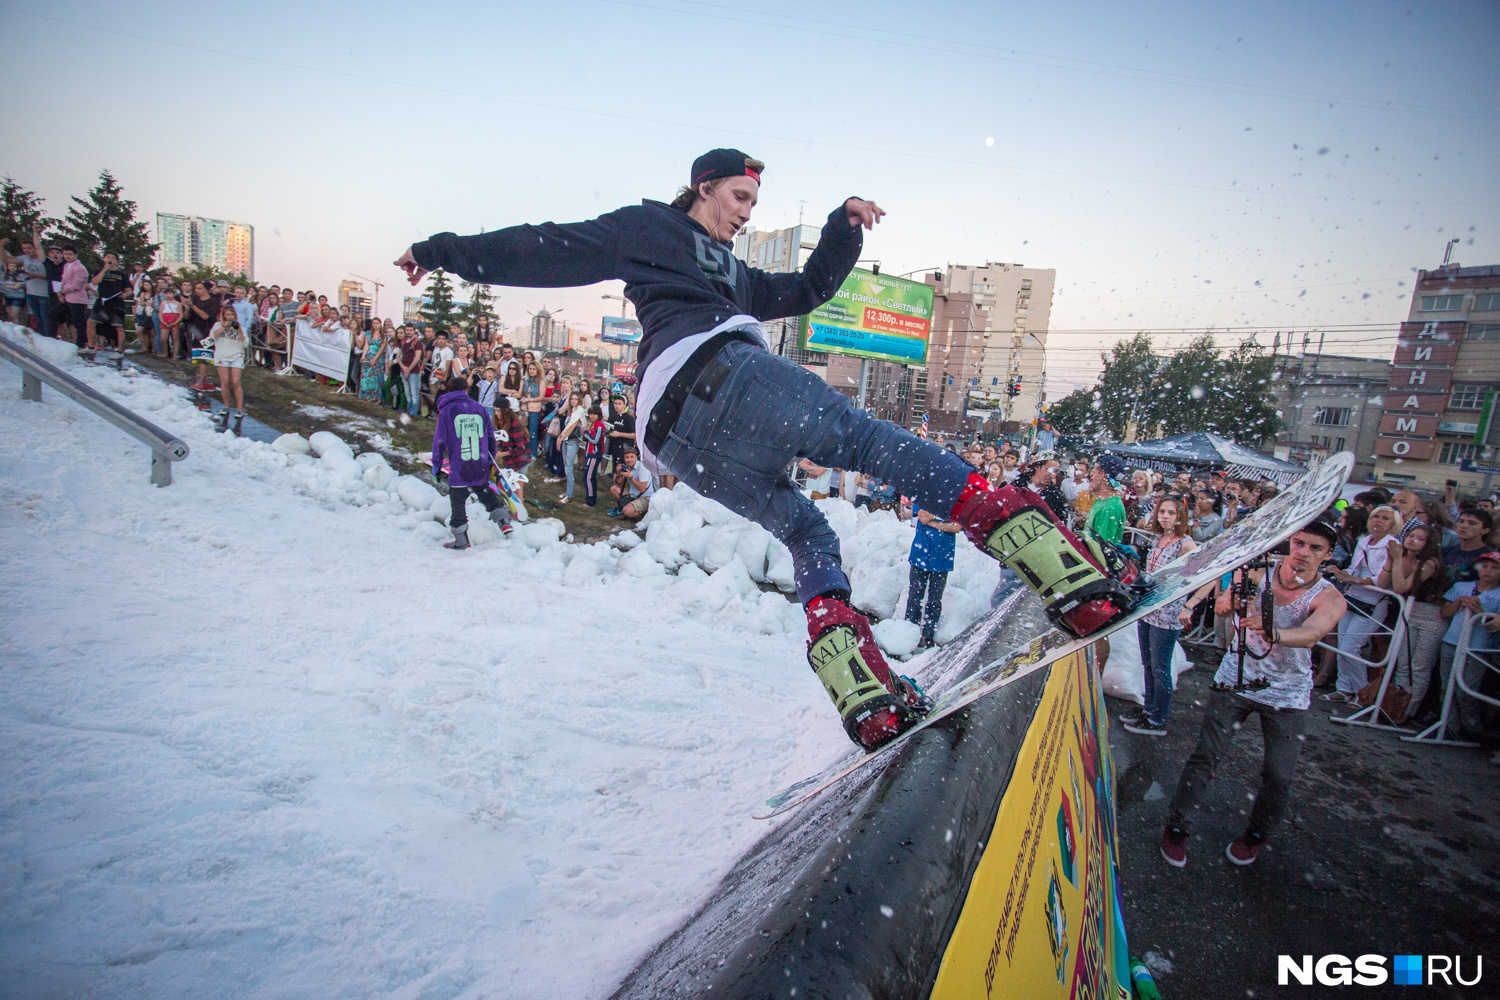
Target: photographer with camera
<point>1274,682</point>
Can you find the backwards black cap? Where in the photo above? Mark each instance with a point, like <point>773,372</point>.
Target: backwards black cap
<point>717,163</point>
<point>1318,526</point>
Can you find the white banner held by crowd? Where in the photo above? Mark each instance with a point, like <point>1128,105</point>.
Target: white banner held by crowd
<point>322,351</point>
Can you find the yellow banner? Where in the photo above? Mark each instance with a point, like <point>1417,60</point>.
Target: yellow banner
<point>1042,917</point>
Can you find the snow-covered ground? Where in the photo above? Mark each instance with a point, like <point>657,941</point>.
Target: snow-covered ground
<point>265,737</point>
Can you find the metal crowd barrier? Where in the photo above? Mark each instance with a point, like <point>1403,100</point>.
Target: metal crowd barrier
<point>1437,733</point>
<point>1371,715</point>
<point>165,449</point>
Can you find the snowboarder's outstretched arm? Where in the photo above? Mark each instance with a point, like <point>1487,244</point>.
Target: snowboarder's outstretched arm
<point>798,293</point>
<point>545,256</point>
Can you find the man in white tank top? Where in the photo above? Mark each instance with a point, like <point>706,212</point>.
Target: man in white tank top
<point>1307,608</point>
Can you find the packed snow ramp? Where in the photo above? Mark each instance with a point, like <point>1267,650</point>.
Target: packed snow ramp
<point>979,862</point>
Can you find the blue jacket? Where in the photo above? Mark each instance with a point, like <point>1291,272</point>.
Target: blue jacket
<point>681,280</point>
<point>932,549</point>
<point>464,438</point>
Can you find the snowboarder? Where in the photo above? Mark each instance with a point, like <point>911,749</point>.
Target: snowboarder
<point>722,413</point>
<point>463,443</point>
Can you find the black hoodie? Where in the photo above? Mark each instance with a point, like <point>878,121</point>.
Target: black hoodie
<point>681,281</point>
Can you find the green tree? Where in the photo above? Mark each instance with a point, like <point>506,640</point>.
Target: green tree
<point>438,310</point>
<point>481,303</point>
<point>208,273</point>
<point>20,210</point>
<point>105,222</point>
<point>1125,384</point>
<point>1243,399</point>
<point>1076,413</point>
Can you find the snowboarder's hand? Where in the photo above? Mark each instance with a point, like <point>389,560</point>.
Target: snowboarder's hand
<point>863,213</point>
<point>408,263</point>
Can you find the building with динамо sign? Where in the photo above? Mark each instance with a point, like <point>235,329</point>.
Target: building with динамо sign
<point>1446,363</point>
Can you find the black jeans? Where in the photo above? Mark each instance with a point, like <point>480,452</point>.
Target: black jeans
<point>933,583</point>
<point>1280,728</point>
<point>458,494</point>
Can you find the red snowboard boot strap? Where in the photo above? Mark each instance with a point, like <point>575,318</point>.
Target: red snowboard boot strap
<point>976,485</point>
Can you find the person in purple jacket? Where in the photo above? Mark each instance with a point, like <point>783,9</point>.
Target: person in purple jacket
<point>724,414</point>
<point>464,444</point>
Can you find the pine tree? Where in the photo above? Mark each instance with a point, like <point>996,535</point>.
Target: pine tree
<point>481,303</point>
<point>438,310</point>
<point>105,222</point>
<point>20,210</point>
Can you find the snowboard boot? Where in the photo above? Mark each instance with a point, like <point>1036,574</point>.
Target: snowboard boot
<point>502,521</point>
<point>460,537</point>
<point>1016,527</point>
<point>876,705</point>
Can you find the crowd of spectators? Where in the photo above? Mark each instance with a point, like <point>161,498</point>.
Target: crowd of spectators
<point>574,426</point>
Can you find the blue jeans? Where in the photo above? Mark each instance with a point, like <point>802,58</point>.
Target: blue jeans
<point>1157,645</point>
<point>569,456</point>
<point>533,427</point>
<point>37,306</point>
<point>412,385</point>
<point>738,449</point>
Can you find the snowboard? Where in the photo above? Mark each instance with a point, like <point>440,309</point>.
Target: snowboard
<point>1260,531</point>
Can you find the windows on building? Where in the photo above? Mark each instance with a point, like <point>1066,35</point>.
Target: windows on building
<point>1487,302</point>
<point>1333,416</point>
<point>1442,303</point>
<point>1456,451</point>
<point>1467,397</point>
<point>1331,443</point>
<point>1484,331</point>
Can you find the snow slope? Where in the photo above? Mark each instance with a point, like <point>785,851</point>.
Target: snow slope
<point>264,737</point>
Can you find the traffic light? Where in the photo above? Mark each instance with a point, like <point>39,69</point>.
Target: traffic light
<point>1014,389</point>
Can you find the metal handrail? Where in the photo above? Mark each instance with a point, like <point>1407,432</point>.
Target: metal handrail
<point>1371,714</point>
<point>165,449</point>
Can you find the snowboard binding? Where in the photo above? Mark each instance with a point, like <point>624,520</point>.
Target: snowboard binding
<point>1085,587</point>
<point>875,704</point>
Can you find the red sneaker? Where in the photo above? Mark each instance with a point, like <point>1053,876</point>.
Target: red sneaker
<point>1017,528</point>
<point>876,705</point>
<point>1244,851</point>
<point>1174,847</point>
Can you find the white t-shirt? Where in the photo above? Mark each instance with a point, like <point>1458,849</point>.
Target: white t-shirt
<point>636,474</point>
<point>440,358</point>
<point>820,484</point>
<point>1071,489</point>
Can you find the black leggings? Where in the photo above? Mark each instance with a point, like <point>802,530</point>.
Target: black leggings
<point>458,494</point>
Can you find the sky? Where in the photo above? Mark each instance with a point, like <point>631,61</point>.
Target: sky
<point>1286,166</point>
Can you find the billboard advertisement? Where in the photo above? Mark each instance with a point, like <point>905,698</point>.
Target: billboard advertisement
<point>619,330</point>
<point>1042,917</point>
<point>873,316</point>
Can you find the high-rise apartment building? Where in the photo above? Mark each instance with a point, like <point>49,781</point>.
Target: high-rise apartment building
<point>1017,302</point>
<point>353,295</point>
<point>1447,363</point>
<point>782,251</point>
<point>187,240</point>
<point>548,333</point>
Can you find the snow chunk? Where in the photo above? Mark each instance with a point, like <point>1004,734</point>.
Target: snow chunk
<point>721,548</point>
<point>323,442</point>
<point>582,568</point>
<point>779,570</point>
<point>292,444</point>
<point>751,550</point>
<point>875,588</point>
<point>378,477</point>
<point>638,562</point>
<point>540,533</point>
<point>416,494</point>
<point>367,459</point>
<point>727,583</point>
<point>663,542</point>
<point>625,540</point>
<point>897,636</point>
